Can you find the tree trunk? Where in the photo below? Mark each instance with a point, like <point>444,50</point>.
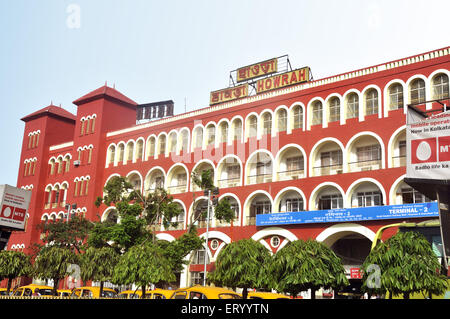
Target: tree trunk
<point>55,286</point>
<point>313,293</point>
<point>143,292</point>
<point>8,287</point>
<point>101,289</point>
<point>244,293</point>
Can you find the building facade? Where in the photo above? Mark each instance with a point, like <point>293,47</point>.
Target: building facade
<point>316,147</point>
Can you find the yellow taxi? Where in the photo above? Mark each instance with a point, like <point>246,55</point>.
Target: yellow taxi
<point>93,292</point>
<point>202,292</point>
<point>149,294</point>
<point>4,292</point>
<point>265,295</point>
<point>33,290</point>
<point>64,292</point>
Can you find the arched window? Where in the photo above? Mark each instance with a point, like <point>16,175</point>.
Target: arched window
<point>184,140</point>
<point>281,120</point>
<point>140,149</point>
<point>198,137</point>
<point>111,154</point>
<point>151,147</point>
<point>317,113</point>
<point>395,96</point>
<point>173,142</point>
<point>252,124</point>
<point>352,106</point>
<point>417,91</point>
<point>162,145</point>
<point>223,132</point>
<point>267,123</point>
<point>334,106</point>
<point>297,117</point>
<point>237,129</point>
<point>440,87</point>
<point>210,135</point>
<point>371,98</point>
<point>121,152</point>
<point>130,151</point>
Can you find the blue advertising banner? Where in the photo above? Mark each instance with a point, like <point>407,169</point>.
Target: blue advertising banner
<point>350,214</point>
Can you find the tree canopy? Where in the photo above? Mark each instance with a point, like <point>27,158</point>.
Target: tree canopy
<point>405,264</point>
<point>242,264</point>
<point>303,265</point>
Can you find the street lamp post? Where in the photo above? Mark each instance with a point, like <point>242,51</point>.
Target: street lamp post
<point>68,207</point>
<point>209,212</point>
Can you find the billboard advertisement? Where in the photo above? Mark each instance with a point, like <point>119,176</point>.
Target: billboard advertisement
<point>14,204</point>
<point>350,214</point>
<point>428,146</point>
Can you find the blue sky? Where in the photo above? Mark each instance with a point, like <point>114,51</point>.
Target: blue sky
<point>159,50</point>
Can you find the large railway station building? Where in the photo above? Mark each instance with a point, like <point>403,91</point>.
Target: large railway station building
<point>317,158</point>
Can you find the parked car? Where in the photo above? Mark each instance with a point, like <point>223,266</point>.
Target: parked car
<point>93,292</point>
<point>33,290</point>
<point>64,292</point>
<point>149,294</point>
<point>265,295</point>
<point>201,292</point>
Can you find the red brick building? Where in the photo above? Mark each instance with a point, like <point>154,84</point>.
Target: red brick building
<point>326,144</point>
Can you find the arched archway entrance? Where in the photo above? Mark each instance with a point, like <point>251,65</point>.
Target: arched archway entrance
<point>351,243</point>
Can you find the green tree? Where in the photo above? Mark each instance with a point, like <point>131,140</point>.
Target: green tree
<point>242,264</point>
<point>143,264</point>
<point>97,264</point>
<point>53,262</point>
<point>138,215</point>
<point>406,264</point>
<point>71,234</point>
<point>303,265</point>
<point>221,209</point>
<point>176,250</point>
<point>14,264</point>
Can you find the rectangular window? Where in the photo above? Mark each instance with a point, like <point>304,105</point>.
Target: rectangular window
<point>330,202</point>
<point>233,171</point>
<point>368,153</point>
<point>366,199</point>
<point>294,163</point>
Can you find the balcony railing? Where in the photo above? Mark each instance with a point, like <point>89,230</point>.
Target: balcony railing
<point>399,161</point>
<point>361,166</point>
<point>176,189</point>
<point>230,182</point>
<point>261,178</point>
<point>291,174</point>
<point>327,170</point>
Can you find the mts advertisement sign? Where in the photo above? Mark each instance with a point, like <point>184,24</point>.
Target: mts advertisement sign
<point>428,146</point>
<point>13,206</point>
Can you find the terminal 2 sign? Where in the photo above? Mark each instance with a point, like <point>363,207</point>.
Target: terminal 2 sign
<point>417,210</point>
<point>263,76</point>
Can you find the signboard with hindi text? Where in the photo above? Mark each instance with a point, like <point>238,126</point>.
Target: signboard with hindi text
<point>350,214</point>
<point>228,94</point>
<point>256,70</point>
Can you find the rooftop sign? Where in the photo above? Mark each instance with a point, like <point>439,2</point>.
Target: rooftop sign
<point>257,70</point>
<point>228,94</point>
<point>282,80</point>
<point>260,77</point>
